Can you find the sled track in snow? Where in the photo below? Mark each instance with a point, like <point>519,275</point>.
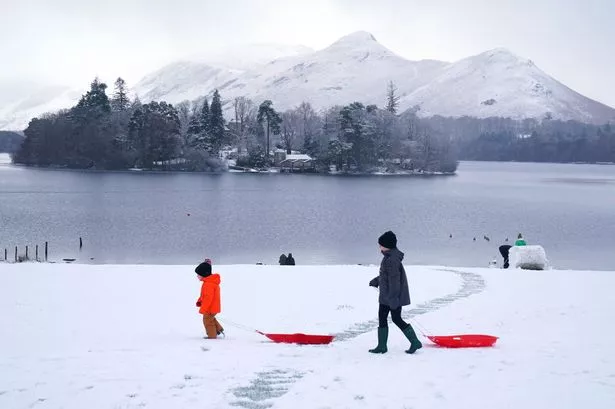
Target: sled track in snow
<point>471,284</point>
<point>272,384</point>
<point>266,386</point>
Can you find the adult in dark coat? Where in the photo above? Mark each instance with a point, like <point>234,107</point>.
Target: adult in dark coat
<point>505,251</point>
<point>394,294</point>
<point>283,260</point>
<point>290,261</point>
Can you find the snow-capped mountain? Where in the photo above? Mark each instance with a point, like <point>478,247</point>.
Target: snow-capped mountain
<point>500,83</point>
<point>22,101</point>
<point>193,79</point>
<point>179,81</point>
<point>250,56</point>
<point>354,68</point>
<point>183,80</point>
<point>358,68</point>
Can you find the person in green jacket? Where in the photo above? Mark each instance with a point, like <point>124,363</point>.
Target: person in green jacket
<point>520,241</point>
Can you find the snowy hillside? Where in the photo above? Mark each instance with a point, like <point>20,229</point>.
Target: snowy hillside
<point>358,68</point>
<point>184,80</point>
<point>354,68</point>
<point>499,83</point>
<point>193,79</point>
<point>20,102</point>
<point>250,56</point>
<point>98,337</point>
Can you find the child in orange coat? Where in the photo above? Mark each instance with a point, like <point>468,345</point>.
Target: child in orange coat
<point>209,299</point>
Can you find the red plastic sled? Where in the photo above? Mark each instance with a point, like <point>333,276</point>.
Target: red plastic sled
<point>463,341</point>
<point>301,339</point>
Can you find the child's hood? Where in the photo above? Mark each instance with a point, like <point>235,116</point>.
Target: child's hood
<point>212,279</point>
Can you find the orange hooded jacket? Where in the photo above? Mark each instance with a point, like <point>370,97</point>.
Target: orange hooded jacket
<point>209,301</point>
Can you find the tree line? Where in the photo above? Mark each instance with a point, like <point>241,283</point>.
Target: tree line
<point>528,140</point>
<point>117,132</point>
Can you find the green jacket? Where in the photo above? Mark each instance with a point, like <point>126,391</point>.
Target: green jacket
<point>520,242</point>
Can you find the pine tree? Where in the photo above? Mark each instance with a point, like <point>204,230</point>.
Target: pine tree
<point>216,124</point>
<point>392,98</point>
<point>205,118</point>
<point>120,101</point>
<point>199,129</point>
<point>267,114</point>
<point>95,101</point>
<point>154,132</point>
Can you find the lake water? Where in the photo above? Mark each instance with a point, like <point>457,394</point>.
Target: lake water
<point>137,217</point>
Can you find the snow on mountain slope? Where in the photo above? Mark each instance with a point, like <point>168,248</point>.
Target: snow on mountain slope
<point>249,56</point>
<point>193,79</point>
<point>354,68</point>
<point>499,83</point>
<point>20,102</point>
<point>184,80</point>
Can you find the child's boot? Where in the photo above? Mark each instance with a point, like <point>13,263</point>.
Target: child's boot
<point>219,329</point>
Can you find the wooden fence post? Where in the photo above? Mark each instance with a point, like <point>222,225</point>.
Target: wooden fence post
<point>37,252</point>
<point>26,253</point>
<point>16,254</point>
<point>46,250</point>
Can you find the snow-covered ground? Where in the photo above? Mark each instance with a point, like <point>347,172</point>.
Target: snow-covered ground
<point>77,336</point>
<point>5,159</point>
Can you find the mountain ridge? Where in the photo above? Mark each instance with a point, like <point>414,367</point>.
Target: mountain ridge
<point>355,67</point>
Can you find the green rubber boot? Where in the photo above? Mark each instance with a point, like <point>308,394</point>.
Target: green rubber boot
<point>415,344</point>
<point>383,336</point>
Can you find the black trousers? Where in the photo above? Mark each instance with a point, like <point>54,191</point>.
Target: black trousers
<point>383,315</point>
<point>504,250</point>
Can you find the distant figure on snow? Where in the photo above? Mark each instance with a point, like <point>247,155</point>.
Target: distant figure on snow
<point>505,249</point>
<point>520,241</point>
<point>290,261</point>
<point>209,299</point>
<point>283,260</point>
<point>394,294</point>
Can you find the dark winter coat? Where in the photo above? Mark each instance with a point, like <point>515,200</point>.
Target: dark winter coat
<point>290,261</point>
<point>392,280</point>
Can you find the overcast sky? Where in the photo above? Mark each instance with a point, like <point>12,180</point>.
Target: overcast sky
<point>71,41</point>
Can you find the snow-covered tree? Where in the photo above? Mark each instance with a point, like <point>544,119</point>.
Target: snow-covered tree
<point>120,101</point>
<point>392,98</point>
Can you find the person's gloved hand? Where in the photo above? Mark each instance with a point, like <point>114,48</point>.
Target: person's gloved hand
<point>198,303</point>
<point>375,282</point>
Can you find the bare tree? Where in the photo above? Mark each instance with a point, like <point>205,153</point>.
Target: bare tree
<point>310,126</point>
<point>291,124</point>
<point>244,109</point>
<point>183,111</point>
<point>392,98</point>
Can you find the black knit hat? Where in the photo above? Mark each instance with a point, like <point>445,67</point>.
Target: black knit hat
<point>388,240</point>
<point>203,269</point>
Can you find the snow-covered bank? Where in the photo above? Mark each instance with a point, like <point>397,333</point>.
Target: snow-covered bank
<point>5,159</point>
<point>129,336</point>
